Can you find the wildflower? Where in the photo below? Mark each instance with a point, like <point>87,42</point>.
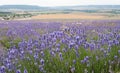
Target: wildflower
<point>60,55</point>
<point>57,49</point>
<point>82,61</point>
<point>35,56</point>
<point>92,46</point>
<point>2,69</point>
<point>42,53</point>
<point>110,43</point>
<point>18,71</point>
<point>72,69</point>
<point>74,61</point>
<point>77,38</point>
<point>109,49</point>
<point>42,61</point>
<point>115,57</point>
<point>64,50</point>
<point>71,45</point>
<point>86,45</point>
<point>52,53</point>
<point>119,51</point>
<point>41,68</point>
<point>25,71</point>
<point>87,57</point>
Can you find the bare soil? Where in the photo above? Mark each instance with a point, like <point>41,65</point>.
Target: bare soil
<point>68,16</point>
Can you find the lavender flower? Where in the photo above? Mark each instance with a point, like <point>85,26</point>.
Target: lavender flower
<point>2,69</point>
<point>18,71</point>
<point>119,51</point>
<point>72,69</point>
<point>25,71</point>
<point>60,55</point>
<point>74,61</point>
<point>42,61</point>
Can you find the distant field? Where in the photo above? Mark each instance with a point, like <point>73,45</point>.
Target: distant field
<point>76,16</point>
<point>28,12</point>
<point>66,16</point>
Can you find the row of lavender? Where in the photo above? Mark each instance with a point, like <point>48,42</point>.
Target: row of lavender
<point>26,28</point>
<point>72,47</point>
<point>14,31</point>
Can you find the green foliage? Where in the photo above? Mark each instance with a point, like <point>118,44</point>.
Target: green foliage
<point>6,42</point>
<point>53,64</point>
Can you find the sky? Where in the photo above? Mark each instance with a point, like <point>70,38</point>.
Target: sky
<point>59,2</point>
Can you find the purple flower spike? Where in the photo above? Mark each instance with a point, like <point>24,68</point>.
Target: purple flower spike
<point>2,69</point>
<point>74,61</point>
<point>115,57</point>
<point>42,61</point>
<point>18,71</point>
<point>119,51</point>
<point>25,71</point>
<point>60,55</point>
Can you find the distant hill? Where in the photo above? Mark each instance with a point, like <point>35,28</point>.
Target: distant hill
<point>22,7</point>
<point>34,7</point>
<point>89,7</point>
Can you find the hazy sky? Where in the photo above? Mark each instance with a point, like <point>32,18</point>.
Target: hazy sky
<point>60,2</point>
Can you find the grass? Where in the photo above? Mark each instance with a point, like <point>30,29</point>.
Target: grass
<point>6,42</point>
<point>55,65</point>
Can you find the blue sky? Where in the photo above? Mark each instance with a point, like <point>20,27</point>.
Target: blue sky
<point>60,2</point>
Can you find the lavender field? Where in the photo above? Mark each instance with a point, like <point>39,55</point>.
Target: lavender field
<point>81,46</point>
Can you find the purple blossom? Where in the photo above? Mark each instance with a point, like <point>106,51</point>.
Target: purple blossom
<point>74,61</point>
<point>82,61</point>
<point>57,49</point>
<point>2,69</point>
<point>42,61</point>
<point>42,53</point>
<point>60,55</point>
<point>41,68</point>
<point>115,57</point>
<point>18,71</point>
<point>72,69</point>
<point>119,51</point>
<point>25,71</point>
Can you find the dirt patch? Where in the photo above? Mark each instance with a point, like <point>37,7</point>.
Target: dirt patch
<point>74,16</point>
<point>67,16</point>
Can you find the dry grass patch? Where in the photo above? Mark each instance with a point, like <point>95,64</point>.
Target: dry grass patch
<point>68,16</point>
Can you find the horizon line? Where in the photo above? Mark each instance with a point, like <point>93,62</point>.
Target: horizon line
<point>64,5</point>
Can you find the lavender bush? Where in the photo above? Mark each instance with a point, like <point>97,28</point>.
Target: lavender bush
<point>56,47</point>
